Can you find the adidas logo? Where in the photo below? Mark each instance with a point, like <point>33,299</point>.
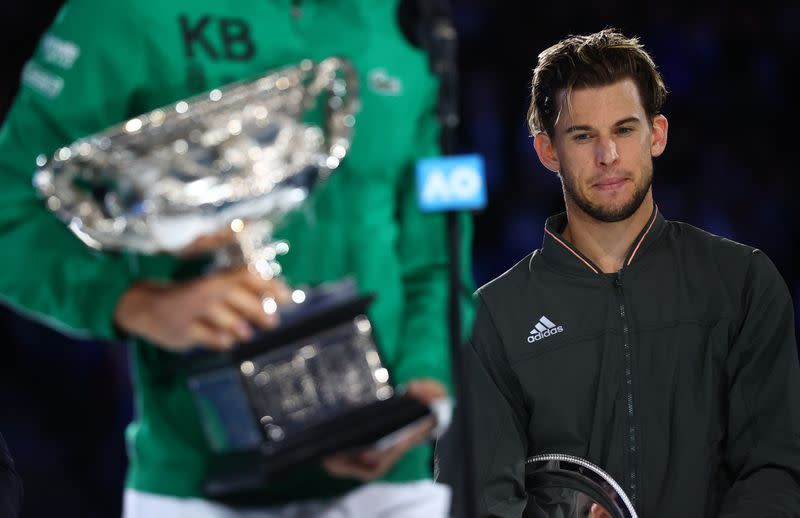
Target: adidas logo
<point>543,328</point>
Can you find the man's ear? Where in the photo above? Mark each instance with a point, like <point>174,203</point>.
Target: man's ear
<point>546,152</point>
<point>658,140</point>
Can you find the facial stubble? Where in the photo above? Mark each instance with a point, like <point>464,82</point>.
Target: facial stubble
<point>599,212</point>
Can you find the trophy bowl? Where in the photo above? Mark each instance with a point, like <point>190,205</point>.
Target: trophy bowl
<point>565,486</point>
<point>243,156</point>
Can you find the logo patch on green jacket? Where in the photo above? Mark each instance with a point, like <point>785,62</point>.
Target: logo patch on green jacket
<point>59,52</point>
<point>382,83</point>
<point>47,84</point>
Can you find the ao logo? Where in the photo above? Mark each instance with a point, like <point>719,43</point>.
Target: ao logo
<point>451,183</point>
<point>463,182</point>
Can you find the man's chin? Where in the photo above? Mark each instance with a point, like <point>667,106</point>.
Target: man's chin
<point>612,213</point>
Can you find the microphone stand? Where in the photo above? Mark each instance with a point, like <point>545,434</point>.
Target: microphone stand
<point>439,38</point>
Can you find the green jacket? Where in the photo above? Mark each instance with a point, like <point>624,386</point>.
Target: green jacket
<point>102,62</point>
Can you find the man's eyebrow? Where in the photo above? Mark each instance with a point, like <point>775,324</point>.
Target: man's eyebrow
<point>586,127</point>
<point>582,127</point>
<point>627,120</point>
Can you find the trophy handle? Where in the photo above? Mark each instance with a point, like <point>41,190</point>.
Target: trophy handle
<point>343,102</point>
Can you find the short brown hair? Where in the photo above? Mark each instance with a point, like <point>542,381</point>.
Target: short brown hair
<point>592,60</point>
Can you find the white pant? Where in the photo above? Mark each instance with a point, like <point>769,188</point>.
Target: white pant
<point>422,499</point>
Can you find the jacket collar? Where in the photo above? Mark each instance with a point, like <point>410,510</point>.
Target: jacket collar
<point>560,252</point>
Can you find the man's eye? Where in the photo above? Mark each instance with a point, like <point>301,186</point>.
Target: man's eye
<point>624,131</point>
<point>581,136</point>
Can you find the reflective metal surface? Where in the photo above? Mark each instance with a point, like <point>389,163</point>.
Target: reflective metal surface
<point>315,379</point>
<point>240,156</point>
<point>565,486</point>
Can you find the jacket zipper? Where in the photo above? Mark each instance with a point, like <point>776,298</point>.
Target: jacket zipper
<point>627,351</point>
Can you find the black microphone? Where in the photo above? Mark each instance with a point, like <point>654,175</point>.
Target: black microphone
<point>409,18</point>
<point>428,24</point>
<point>424,22</point>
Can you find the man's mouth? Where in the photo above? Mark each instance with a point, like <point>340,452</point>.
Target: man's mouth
<point>610,184</point>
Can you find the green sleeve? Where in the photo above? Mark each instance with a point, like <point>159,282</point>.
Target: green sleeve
<point>763,440</point>
<point>78,82</point>
<point>424,340</point>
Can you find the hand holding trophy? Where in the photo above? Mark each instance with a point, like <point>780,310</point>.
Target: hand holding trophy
<point>239,159</point>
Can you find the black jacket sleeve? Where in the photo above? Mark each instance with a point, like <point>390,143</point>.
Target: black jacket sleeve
<point>763,440</point>
<point>499,422</point>
<point>10,484</point>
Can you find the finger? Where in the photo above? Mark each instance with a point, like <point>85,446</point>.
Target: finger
<point>196,247</point>
<point>338,465</point>
<point>422,431</point>
<point>205,335</point>
<point>414,436</point>
<point>274,287</point>
<point>249,305</point>
<point>224,319</point>
<point>344,467</point>
<point>372,464</point>
<point>371,471</point>
<point>352,464</point>
<point>208,242</point>
<point>425,390</point>
<point>368,459</point>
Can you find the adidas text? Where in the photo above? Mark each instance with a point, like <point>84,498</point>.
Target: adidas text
<point>543,328</point>
<point>544,334</point>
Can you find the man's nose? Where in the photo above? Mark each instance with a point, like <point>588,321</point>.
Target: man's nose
<point>606,151</point>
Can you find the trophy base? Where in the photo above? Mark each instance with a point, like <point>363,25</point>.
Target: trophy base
<point>243,471</point>
<point>313,386</point>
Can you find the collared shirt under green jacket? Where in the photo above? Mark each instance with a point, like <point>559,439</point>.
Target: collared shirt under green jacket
<point>102,62</point>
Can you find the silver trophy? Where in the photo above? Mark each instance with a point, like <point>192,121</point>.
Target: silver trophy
<point>243,156</point>
<point>565,486</point>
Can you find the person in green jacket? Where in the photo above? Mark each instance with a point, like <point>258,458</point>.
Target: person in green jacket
<point>103,62</point>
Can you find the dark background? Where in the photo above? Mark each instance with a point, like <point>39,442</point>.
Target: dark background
<point>729,168</point>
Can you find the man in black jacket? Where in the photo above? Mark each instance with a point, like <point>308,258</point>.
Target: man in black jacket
<point>10,486</point>
<point>659,352</point>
